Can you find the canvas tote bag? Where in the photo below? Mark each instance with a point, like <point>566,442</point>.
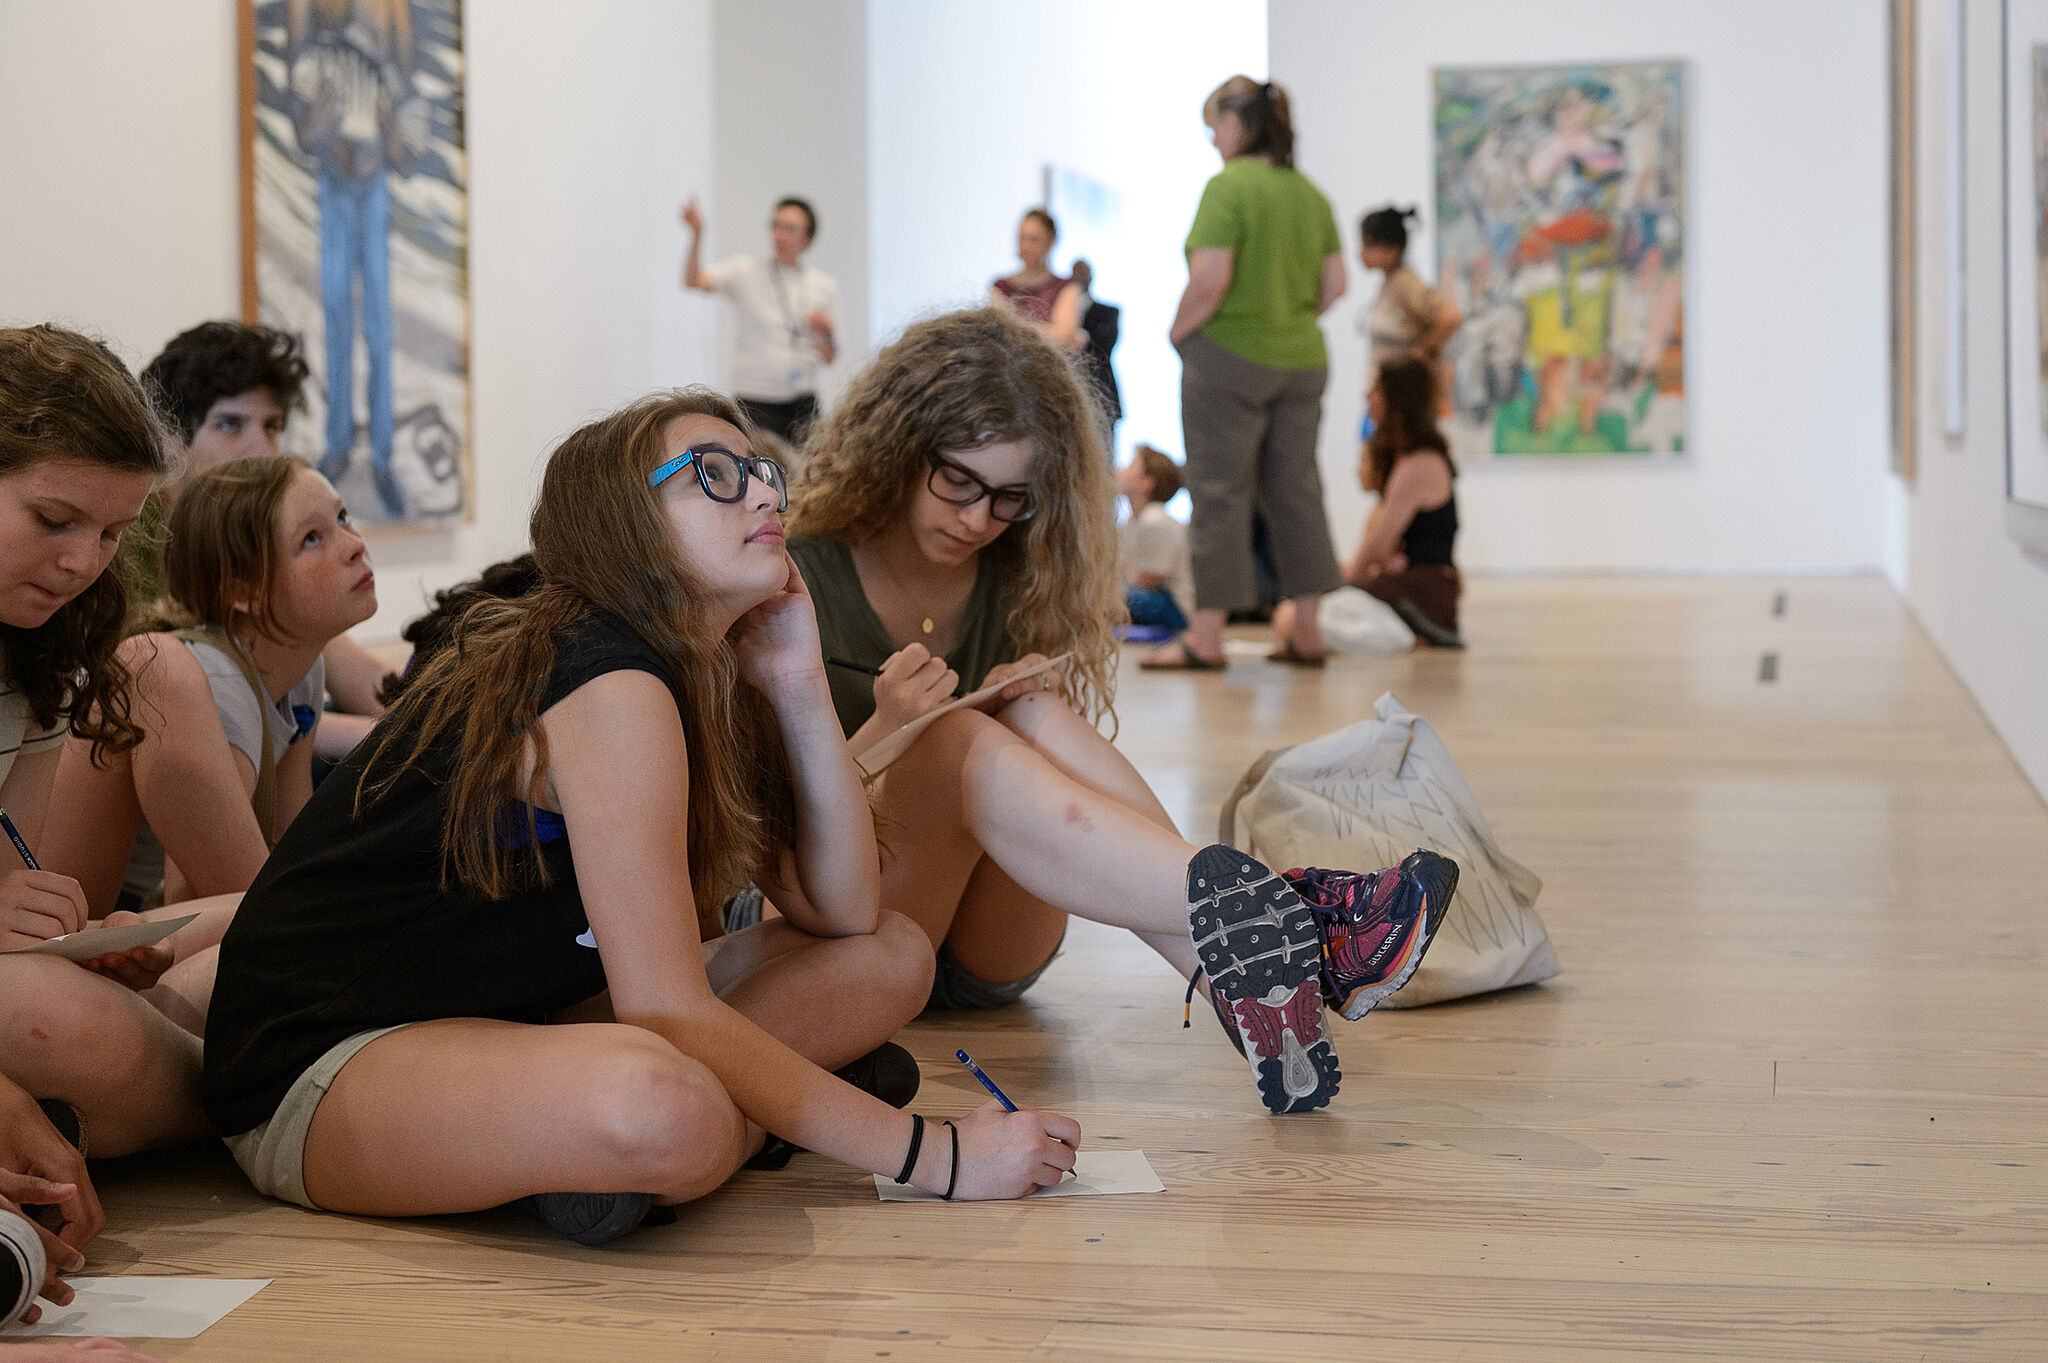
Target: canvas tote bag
<point>1367,796</point>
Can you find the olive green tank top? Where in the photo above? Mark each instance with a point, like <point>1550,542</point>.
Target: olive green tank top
<point>849,628</point>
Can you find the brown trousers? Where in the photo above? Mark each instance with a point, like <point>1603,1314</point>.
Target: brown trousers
<point>1251,438</point>
<point>1428,590</point>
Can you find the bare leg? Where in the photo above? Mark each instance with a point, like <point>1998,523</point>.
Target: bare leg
<point>973,787</point>
<point>426,1120</point>
<point>1203,636</point>
<point>1078,748</point>
<point>1306,626</point>
<point>423,1121</point>
<point>69,1034</point>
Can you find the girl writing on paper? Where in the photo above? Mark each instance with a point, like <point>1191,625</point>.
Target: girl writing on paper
<point>954,520</point>
<point>427,1004</point>
<point>87,1061</point>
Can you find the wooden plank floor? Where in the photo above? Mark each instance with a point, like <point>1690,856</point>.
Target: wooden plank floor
<point>1789,1098</point>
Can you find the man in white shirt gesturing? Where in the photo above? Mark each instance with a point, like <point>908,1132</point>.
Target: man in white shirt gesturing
<point>782,318</point>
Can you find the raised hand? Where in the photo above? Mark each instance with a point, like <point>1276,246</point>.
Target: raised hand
<point>691,215</point>
<point>36,906</point>
<point>1008,1154</point>
<point>914,682</point>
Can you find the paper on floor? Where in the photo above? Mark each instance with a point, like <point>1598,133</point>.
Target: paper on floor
<point>1096,1173</point>
<point>141,1308</point>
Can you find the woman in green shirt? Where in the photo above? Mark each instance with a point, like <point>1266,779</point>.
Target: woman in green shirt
<point>1264,261</point>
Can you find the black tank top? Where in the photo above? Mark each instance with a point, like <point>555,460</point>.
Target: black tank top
<point>349,927</point>
<point>1427,542</point>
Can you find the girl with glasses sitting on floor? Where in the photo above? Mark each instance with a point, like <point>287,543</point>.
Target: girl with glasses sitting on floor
<point>954,522</point>
<point>380,1040</point>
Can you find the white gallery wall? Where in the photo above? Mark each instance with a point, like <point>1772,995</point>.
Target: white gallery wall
<point>969,102</point>
<point>119,187</point>
<point>1982,598</point>
<point>1786,309</point>
<point>789,84</point>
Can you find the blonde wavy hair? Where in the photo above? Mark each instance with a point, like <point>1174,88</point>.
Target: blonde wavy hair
<point>958,383</point>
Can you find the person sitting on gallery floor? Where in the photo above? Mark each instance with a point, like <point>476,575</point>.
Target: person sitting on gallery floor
<point>229,390</point>
<point>1405,558</point>
<point>264,568</point>
<point>100,1045</point>
<point>1152,550</point>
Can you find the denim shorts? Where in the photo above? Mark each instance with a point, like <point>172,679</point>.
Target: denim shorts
<point>954,986</point>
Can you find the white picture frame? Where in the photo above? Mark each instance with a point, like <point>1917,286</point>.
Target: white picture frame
<point>2024,151</point>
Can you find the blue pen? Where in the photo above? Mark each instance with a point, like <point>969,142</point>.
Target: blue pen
<point>986,1082</point>
<point>22,847</point>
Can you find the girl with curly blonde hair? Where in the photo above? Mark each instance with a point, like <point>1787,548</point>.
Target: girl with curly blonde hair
<point>953,521</point>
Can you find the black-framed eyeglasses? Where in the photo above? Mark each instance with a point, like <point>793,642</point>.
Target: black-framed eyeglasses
<point>723,475</point>
<point>958,486</point>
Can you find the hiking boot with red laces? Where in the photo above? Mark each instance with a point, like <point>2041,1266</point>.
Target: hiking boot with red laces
<point>1375,927</point>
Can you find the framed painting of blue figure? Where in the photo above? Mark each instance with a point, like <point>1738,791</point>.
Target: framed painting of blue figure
<point>355,222</point>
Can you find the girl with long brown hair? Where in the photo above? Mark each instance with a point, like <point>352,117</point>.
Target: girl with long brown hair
<point>262,571</point>
<point>953,522</point>
<point>79,451</point>
<point>380,1038</point>
<point>1405,558</point>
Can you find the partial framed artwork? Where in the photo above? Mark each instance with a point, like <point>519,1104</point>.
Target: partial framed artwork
<point>1905,189</point>
<point>355,238</point>
<point>2025,83</point>
<point>1561,232</point>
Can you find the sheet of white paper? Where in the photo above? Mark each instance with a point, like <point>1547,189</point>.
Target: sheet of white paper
<point>141,1308</point>
<point>1096,1173</point>
<point>898,743</point>
<point>93,942</point>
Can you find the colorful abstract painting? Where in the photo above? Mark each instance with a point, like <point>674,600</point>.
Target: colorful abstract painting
<point>1560,232</point>
<point>356,224</point>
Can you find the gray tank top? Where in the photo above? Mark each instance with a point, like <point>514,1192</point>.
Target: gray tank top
<point>245,725</point>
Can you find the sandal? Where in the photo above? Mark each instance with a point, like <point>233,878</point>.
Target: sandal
<point>1287,653</point>
<point>1189,661</point>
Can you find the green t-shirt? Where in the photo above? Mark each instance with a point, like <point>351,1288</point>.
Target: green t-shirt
<point>1281,228</point>
<point>848,627</point>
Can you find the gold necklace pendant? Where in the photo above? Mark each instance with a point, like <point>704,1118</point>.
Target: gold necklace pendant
<point>927,624</point>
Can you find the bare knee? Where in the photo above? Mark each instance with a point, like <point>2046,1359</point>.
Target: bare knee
<point>56,1020</point>
<point>904,964</point>
<point>1033,715</point>
<point>664,1121</point>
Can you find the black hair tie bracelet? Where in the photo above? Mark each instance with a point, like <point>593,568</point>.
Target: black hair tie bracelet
<point>916,1143</point>
<point>953,1182</point>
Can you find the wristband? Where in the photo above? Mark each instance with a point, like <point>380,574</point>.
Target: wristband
<point>916,1141</point>
<point>953,1182</point>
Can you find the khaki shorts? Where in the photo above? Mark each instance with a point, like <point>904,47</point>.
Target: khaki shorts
<point>273,1155</point>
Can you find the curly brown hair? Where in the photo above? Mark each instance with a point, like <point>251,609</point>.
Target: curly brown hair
<point>600,542</point>
<point>961,382</point>
<point>66,396</point>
